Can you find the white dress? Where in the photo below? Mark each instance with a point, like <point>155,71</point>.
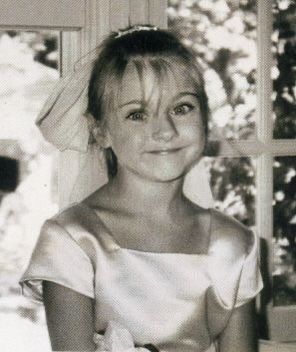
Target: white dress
<point>178,302</point>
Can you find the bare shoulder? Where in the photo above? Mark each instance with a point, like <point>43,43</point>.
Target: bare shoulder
<point>68,215</point>
<point>79,212</point>
<point>229,234</point>
<point>102,200</point>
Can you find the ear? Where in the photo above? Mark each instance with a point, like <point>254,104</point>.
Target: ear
<point>98,131</point>
<point>101,136</point>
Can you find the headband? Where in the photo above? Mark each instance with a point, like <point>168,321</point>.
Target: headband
<point>64,123</point>
<point>124,32</point>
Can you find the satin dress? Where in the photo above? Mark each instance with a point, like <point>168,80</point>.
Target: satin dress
<point>178,302</point>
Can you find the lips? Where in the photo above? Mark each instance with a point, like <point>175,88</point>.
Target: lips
<point>164,151</point>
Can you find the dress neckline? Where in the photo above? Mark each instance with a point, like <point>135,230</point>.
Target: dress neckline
<point>115,246</point>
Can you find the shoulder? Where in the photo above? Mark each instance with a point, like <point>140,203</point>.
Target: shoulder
<point>81,223</point>
<point>229,238</point>
<point>64,221</point>
<point>76,222</point>
<point>75,214</point>
<point>74,228</point>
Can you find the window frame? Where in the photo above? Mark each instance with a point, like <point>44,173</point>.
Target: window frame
<point>281,320</point>
<point>82,26</point>
<point>264,148</point>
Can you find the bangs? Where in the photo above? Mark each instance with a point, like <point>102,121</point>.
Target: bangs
<point>164,70</point>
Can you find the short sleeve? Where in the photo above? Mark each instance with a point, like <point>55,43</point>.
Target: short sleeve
<point>57,257</point>
<point>250,281</point>
<point>233,268</point>
<point>235,277</point>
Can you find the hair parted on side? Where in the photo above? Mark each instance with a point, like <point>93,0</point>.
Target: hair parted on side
<point>161,50</point>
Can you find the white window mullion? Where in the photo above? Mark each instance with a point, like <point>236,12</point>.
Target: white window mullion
<point>264,171</point>
<point>264,84</point>
<point>252,148</point>
<point>264,124</point>
<point>70,48</point>
<point>119,14</point>
<point>139,13</point>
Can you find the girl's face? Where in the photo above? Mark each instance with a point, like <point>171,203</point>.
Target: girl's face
<point>155,129</point>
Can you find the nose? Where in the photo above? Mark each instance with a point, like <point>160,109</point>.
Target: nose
<point>163,128</point>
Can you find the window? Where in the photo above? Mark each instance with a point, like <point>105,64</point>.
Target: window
<point>28,71</point>
<point>253,171</point>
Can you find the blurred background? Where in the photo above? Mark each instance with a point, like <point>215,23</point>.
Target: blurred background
<point>222,33</point>
<point>28,178</point>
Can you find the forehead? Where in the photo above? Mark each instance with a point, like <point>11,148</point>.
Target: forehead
<point>160,80</point>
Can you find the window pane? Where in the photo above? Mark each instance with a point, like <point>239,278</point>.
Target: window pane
<point>28,71</point>
<point>284,242</point>
<point>223,36</point>
<point>284,68</point>
<point>233,187</point>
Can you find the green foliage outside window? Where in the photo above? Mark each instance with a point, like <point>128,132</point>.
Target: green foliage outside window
<point>223,36</point>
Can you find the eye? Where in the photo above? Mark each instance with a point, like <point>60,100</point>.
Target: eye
<point>183,109</point>
<point>136,116</point>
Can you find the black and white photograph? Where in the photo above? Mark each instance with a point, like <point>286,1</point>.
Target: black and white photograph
<point>148,175</point>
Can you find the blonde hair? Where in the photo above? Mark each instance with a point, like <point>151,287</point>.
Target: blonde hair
<point>158,50</point>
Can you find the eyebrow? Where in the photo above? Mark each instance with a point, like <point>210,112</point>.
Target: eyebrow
<point>144,103</point>
<point>138,102</point>
<point>182,94</point>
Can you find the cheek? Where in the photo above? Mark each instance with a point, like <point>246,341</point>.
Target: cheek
<point>124,139</point>
<point>194,131</point>
<point>116,132</point>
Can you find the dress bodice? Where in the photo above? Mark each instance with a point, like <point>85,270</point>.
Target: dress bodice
<point>177,301</point>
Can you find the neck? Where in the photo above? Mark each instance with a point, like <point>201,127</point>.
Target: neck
<point>143,195</point>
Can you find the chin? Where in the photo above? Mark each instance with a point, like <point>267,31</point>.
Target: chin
<point>163,172</point>
<point>166,175</point>
<point>171,172</point>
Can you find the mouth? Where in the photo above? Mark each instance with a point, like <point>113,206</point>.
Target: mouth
<point>164,151</point>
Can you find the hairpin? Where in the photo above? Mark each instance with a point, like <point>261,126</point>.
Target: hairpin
<point>122,33</point>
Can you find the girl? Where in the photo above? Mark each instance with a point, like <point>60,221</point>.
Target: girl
<point>137,253</point>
